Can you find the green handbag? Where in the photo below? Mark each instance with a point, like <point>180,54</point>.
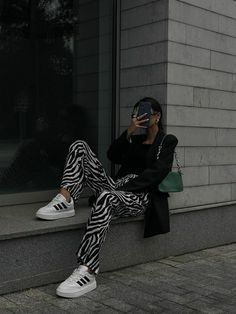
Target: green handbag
<point>173,182</point>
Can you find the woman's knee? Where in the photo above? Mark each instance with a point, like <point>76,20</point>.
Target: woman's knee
<point>104,203</point>
<point>105,195</point>
<point>79,144</point>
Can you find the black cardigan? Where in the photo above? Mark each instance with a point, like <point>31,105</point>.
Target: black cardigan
<point>157,212</point>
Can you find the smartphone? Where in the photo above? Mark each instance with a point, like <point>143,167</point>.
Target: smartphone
<point>145,107</point>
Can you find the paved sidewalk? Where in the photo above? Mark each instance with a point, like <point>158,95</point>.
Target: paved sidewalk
<point>200,282</point>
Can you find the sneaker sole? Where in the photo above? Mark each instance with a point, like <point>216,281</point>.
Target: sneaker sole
<point>76,294</point>
<point>56,216</point>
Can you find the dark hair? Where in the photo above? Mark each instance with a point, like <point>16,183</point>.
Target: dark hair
<point>156,106</point>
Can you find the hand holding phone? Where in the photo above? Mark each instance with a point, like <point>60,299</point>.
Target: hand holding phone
<point>140,118</point>
<point>144,110</point>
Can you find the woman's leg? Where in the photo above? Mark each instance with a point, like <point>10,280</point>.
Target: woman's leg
<point>82,168</point>
<point>108,204</point>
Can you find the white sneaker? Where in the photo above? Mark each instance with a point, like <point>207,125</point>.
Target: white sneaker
<point>57,208</point>
<point>79,283</point>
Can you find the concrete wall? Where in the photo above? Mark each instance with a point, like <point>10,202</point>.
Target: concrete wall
<point>201,98</point>
<point>143,53</point>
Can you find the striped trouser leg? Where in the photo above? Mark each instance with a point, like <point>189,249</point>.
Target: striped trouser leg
<point>108,204</point>
<point>82,168</point>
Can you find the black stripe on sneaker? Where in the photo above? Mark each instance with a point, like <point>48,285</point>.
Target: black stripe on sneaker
<point>55,206</point>
<point>59,205</point>
<point>86,278</point>
<point>64,205</point>
<point>83,281</point>
<point>79,283</point>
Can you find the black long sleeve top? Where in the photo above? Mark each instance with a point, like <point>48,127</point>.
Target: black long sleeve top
<point>130,155</point>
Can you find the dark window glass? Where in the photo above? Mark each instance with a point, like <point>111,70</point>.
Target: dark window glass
<point>55,87</point>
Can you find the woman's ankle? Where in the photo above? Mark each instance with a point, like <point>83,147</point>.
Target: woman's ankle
<point>66,194</point>
<point>89,269</point>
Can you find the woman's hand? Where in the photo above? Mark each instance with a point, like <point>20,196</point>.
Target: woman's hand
<point>136,122</point>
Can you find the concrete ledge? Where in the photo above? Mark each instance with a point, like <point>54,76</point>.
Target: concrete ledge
<point>20,221</point>
<point>46,255</point>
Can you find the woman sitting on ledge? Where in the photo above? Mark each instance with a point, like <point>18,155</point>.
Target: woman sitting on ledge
<point>133,191</point>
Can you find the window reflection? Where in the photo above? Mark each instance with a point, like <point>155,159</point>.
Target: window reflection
<point>38,162</point>
<point>48,96</point>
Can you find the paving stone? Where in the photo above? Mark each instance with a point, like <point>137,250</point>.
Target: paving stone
<point>180,299</point>
<point>230,254</point>
<point>65,304</point>
<point>148,283</point>
<point>165,287</point>
<point>5,311</point>
<point>140,311</point>
<point>174,307</point>
<point>131,296</point>
<point>48,310</point>
<point>108,311</point>
<point>198,282</point>
<point>170,262</point>
<point>96,295</point>
<point>199,290</point>
<point>221,249</point>
<point>49,289</point>
<point>12,309</point>
<point>227,308</point>
<point>156,276</point>
<point>171,312</point>
<point>205,307</point>
<point>231,300</point>
<point>7,306</point>
<point>28,304</point>
<point>191,256</point>
<point>155,308</point>
<point>153,287</point>
<point>218,289</point>
<point>156,266</point>
<point>90,304</point>
<point>118,305</point>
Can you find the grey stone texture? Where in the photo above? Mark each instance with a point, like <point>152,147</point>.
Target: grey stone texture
<point>198,282</point>
<point>201,97</point>
<point>144,34</point>
<point>183,52</point>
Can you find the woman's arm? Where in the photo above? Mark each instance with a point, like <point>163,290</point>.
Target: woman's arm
<point>153,175</point>
<point>118,149</point>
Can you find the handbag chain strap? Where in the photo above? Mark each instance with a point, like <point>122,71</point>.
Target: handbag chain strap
<point>175,154</point>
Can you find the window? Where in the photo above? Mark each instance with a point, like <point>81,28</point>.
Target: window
<point>55,87</point>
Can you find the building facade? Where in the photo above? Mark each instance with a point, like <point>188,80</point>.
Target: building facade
<point>183,52</point>
<point>77,72</point>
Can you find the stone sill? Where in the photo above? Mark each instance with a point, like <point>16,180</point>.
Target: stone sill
<point>20,221</point>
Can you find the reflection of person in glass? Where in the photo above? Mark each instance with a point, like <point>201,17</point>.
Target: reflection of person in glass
<point>38,162</point>
<point>132,192</point>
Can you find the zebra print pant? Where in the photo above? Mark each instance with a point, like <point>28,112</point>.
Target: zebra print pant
<point>82,169</point>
